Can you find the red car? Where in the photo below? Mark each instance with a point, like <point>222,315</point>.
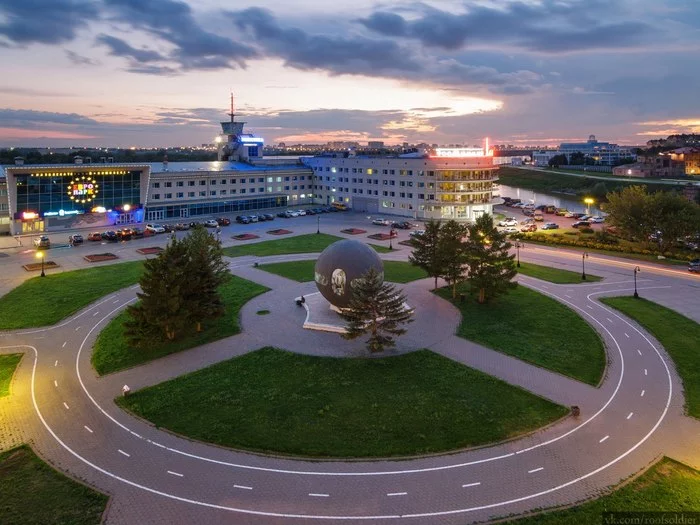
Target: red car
<point>529,228</point>
<point>94,236</point>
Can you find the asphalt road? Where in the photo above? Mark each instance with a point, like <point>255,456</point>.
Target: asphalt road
<point>633,417</point>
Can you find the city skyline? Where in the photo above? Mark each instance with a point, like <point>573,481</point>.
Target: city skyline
<point>121,73</point>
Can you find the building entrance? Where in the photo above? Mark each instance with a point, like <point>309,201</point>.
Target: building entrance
<point>32,226</point>
<point>156,215</point>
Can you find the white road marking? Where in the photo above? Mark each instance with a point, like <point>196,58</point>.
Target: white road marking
<point>535,470</point>
<point>115,302</point>
<point>645,371</point>
<point>55,383</point>
<point>123,453</point>
<point>318,495</point>
<point>606,437</point>
<point>642,394</point>
<point>471,484</point>
<point>397,493</point>
<point>630,415</point>
<point>639,351</point>
<point>589,307</point>
<point>95,314</point>
<point>66,405</point>
<point>64,344</point>
<point>609,320</point>
<point>567,295</point>
<point>627,335</point>
<point>56,363</point>
<point>77,329</point>
<point>176,474</point>
<point>242,487</point>
<point>88,429</point>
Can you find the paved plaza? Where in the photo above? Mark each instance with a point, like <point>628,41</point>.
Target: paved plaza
<point>633,417</point>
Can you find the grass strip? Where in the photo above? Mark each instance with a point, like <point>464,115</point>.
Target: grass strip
<point>303,271</point>
<point>112,351</point>
<point>535,328</point>
<point>309,243</point>
<point>277,401</point>
<point>8,364</point>
<point>42,301</point>
<point>678,334</point>
<point>555,275</point>
<point>31,492</point>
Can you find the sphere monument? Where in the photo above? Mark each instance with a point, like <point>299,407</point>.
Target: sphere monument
<point>339,265</point>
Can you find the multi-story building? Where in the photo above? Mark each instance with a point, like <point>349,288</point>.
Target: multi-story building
<point>690,157</point>
<point>663,166</point>
<point>449,184</point>
<point>603,153</point>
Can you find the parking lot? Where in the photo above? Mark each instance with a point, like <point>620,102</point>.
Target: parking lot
<point>563,223</point>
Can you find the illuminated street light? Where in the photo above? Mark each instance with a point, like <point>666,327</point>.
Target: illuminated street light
<point>588,202</point>
<point>518,245</point>
<point>40,254</point>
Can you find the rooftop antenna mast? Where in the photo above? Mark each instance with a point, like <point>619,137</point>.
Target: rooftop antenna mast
<point>232,113</point>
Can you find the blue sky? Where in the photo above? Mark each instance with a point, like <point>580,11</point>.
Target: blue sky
<point>159,72</point>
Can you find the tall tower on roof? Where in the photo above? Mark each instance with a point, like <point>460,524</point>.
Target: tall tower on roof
<point>240,147</point>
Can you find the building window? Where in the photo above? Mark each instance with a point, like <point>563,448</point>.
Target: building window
<point>168,184</point>
<point>202,193</point>
<point>243,190</point>
<point>190,194</point>
<point>232,181</point>
<point>180,183</point>
<point>168,195</point>
<point>223,181</point>
<point>223,192</point>
<point>202,183</point>
<point>212,193</point>
<point>156,197</point>
<point>212,183</point>
<point>156,184</point>
<point>190,183</point>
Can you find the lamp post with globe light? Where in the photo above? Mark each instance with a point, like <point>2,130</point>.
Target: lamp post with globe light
<point>588,202</point>
<point>318,224</point>
<point>637,269</point>
<point>584,255</point>
<point>40,255</point>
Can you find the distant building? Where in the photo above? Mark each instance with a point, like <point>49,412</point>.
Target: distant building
<point>542,157</point>
<point>375,144</point>
<point>604,153</point>
<point>662,166</point>
<point>690,157</point>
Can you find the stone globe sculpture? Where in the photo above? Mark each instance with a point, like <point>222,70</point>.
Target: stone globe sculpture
<point>339,265</point>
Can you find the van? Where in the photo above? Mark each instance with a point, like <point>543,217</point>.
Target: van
<point>538,215</point>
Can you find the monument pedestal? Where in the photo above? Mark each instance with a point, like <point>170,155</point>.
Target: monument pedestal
<point>322,315</point>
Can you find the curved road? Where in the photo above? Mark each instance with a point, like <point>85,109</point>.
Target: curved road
<point>634,416</point>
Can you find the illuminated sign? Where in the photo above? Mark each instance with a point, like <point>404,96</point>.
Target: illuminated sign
<point>83,189</point>
<point>62,213</point>
<point>252,140</point>
<point>29,215</point>
<point>459,152</point>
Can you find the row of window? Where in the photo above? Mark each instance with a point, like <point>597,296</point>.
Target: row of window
<point>224,193</point>
<point>410,173</point>
<point>214,182</point>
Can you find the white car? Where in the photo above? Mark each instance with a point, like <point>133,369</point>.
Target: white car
<point>510,229</point>
<point>381,222</point>
<point>508,223</point>
<point>302,213</point>
<point>155,228</point>
<point>569,215</point>
<point>417,233</point>
<point>293,213</point>
<point>597,219</point>
<point>211,223</point>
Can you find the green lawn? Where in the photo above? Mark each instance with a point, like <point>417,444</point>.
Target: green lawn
<point>555,275</point>
<point>8,363</point>
<point>277,401</point>
<point>668,486</point>
<point>303,271</point>
<point>31,492</point>
<point>678,334</point>
<point>534,328</point>
<point>112,352</point>
<point>309,243</point>
<point>43,301</point>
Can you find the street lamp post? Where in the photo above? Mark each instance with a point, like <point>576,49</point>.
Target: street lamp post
<point>391,237</point>
<point>318,224</point>
<point>637,269</point>
<point>518,245</point>
<point>583,265</point>
<point>40,254</point>
<point>588,202</point>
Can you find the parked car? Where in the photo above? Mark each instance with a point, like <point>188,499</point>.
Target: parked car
<point>110,235</point>
<point>74,239</point>
<point>125,234</point>
<point>510,221</point>
<point>194,224</point>
<point>319,210</point>
<point>569,215</point>
<point>550,208</point>
<point>404,225</point>
<point>254,218</point>
<point>577,215</point>
<point>137,233</point>
<point>597,219</point>
<point>282,215</point>
<point>417,233</point>
<point>241,218</point>
<point>302,212</point>
<point>550,226</point>
<point>381,222</point>
<point>291,213</point>
<point>581,224</point>
<point>510,229</point>
<point>310,212</point>
<point>223,221</point>
<point>182,226</point>
<point>155,228</point>
<point>268,216</point>
<point>42,242</point>
<point>529,228</point>
<point>694,266</point>
<point>538,215</point>
<point>561,212</point>
<point>94,236</point>
<point>211,223</point>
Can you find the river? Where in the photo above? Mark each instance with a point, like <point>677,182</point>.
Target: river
<point>560,200</point>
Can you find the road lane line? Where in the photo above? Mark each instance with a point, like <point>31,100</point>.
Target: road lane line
<point>567,295</point>
<point>397,493</point>
<point>645,371</point>
<point>471,485</point>
<point>88,429</point>
<point>176,474</point>
<point>56,363</point>
<point>609,320</point>
<point>630,415</point>
<point>589,307</point>
<point>604,439</point>
<point>77,329</point>
<point>535,470</point>
<point>642,394</point>
<point>115,302</point>
<point>313,495</point>
<point>242,487</point>
<point>123,453</point>
<point>64,344</point>
<point>66,405</point>
<point>627,335</point>
<point>95,314</point>
<point>639,351</point>
<point>55,383</point>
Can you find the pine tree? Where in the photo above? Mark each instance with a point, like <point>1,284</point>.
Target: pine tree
<point>453,252</point>
<point>206,271</point>
<point>426,251</point>
<point>376,308</point>
<point>491,267</point>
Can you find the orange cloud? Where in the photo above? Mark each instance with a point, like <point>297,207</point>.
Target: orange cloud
<point>18,133</point>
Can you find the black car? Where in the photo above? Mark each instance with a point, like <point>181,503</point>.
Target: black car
<point>581,224</point>
<point>318,211</point>
<point>223,221</point>
<point>282,215</point>
<point>136,233</point>
<point>243,219</point>
<point>74,239</point>
<point>125,234</point>
<point>404,225</point>
<point>694,266</point>
<point>268,216</point>
<point>310,212</point>
<point>110,236</point>
<point>194,224</point>
<point>169,228</point>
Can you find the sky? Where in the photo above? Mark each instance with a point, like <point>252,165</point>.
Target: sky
<point>154,73</point>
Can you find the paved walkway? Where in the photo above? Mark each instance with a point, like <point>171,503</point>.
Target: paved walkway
<point>68,415</point>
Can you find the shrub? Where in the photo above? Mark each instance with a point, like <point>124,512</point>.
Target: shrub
<point>587,230</point>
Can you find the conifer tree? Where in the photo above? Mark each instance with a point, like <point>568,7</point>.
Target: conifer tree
<point>427,253</point>
<point>377,309</point>
<point>491,267</point>
<point>453,252</point>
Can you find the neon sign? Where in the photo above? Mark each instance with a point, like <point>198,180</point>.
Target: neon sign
<point>83,189</point>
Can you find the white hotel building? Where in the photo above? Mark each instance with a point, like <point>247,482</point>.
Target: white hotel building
<point>449,184</point>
